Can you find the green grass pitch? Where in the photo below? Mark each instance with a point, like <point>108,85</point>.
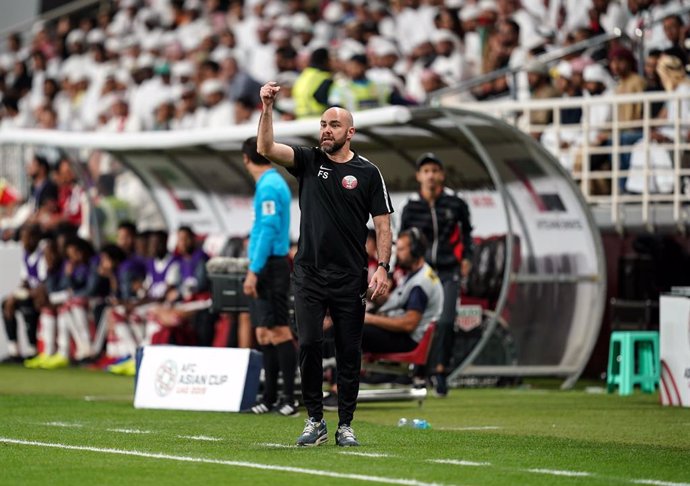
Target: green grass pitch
<point>77,426</point>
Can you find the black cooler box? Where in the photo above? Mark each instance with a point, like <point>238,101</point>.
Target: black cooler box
<point>227,276</point>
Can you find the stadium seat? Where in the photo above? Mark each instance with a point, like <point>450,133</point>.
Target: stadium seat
<point>417,356</point>
<point>400,364</point>
<point>633,360</point>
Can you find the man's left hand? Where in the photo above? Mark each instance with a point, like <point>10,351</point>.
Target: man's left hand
<point>379,283</point>
<point>249,286</point>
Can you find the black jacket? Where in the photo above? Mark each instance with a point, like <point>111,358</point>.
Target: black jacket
<point>447,228</point>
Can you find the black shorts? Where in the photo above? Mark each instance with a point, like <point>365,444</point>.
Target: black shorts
<point>270,309</point>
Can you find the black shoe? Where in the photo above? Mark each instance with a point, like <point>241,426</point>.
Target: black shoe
<point>261,408</point>
<point>288,408</point>
<point>330,402</point>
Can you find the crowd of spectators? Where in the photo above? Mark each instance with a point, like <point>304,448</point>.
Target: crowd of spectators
<point>193,64</point>
<point>189,64</point>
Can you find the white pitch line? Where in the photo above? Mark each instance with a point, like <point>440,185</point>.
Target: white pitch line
<point>250,465</point>
<point>200,437</point>
<point>556,472</point>
<point>365,454</point>
<point>277,446</point>
<point>654,482</point>
<point>482,427</point>
<point>62,424</point>
<point>130,431</point>
<point>458,462</point>
<point>106,398</point>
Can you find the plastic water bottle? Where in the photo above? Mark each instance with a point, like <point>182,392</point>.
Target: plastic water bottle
<point>414,423</point>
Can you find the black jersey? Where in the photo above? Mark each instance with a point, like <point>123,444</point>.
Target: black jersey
<point>336,200</point>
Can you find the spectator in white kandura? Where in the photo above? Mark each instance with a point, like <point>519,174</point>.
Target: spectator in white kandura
<point>418,62</point>
<point>261,64</point>
<point>121,120</point>
<point>414,25</point>
<point>469,16</point>
<point>186,113</point>
<point>218,110</point>
<point>449,62</point>
<point>14,52</point>
<point>386,68</point>
<point>183,72</point>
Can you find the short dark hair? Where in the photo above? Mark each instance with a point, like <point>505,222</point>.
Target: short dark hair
<point>114,252</point>
<point>249,149</point>
<point>187,229</point>
<point>43,162</point>
<point>128,226</point>
<point>319,59</point>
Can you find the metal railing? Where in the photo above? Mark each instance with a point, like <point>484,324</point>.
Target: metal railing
<point>546,58</point>
<point>638,42</point>
<point>659,173</point>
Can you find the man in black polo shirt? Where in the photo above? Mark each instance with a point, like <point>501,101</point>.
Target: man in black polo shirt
<point>338,190</point>
<point>444,219</point>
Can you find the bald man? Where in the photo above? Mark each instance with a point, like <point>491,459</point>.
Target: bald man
<point>338,191</point>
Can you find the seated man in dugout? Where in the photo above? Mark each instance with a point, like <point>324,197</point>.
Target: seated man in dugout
<point>405,314</point>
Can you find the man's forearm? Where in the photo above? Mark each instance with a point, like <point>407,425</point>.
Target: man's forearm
<point>264,136</point>
<point>384,238</point>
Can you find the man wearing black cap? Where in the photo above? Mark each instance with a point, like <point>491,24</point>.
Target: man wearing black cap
<point>444,219</point>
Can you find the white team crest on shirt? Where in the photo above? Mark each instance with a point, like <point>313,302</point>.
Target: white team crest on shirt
<point>268,208</point>
<point>349,182</point>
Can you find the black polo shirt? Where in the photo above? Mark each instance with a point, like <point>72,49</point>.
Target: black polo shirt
<point>336,200</point>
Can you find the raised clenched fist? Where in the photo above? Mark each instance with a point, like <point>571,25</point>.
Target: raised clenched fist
<point>269,92</point>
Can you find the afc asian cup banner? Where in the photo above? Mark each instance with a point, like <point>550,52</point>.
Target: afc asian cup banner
<point>674,335</point>
<point>196,378</point>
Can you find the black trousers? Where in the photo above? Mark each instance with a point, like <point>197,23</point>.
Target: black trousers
<point>343,295</point>
<point>377,340</point>
<point>27,309</point>
<point>444,338</point>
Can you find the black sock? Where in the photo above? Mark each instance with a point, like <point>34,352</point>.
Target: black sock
<point>271,368</point>
<point>287,357</point>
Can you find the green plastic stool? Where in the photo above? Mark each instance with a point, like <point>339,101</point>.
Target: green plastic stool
<point>633,360</point>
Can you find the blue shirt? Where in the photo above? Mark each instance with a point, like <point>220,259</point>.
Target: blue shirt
<point>270,235</point>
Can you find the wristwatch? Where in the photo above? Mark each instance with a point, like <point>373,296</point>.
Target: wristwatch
<point>385,266</point>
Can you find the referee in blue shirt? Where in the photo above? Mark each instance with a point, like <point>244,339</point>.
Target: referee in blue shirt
<point>268,280</point>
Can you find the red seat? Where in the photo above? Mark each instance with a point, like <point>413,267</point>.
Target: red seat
<point>417,356</point>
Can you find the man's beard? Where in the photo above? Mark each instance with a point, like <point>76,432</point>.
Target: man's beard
<point>405,264</point>
<point>337,145</point>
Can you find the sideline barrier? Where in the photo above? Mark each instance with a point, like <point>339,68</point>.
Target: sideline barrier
<point>674,334</point>
<point>196,378</point>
